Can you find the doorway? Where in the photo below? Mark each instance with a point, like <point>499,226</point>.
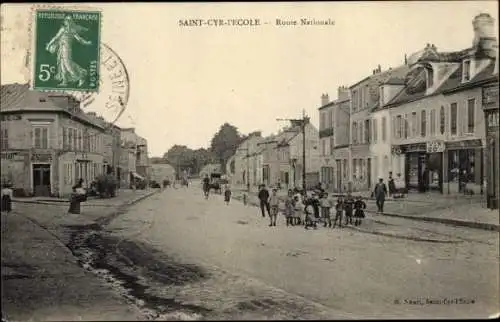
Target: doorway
<point>41,180</point>
<point>369,173</point>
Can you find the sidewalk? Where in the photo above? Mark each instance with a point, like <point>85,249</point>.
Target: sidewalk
<point>41,280</point>
<point>465,211</point>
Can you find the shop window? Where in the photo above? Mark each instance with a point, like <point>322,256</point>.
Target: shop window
<point>414,124</point>
<point>462,165</point>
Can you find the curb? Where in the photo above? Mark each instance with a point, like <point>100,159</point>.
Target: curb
<point>454,222</point>
<point>429,240</point>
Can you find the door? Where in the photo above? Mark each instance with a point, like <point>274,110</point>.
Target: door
<point>41,180</point>
<point>339,175</point>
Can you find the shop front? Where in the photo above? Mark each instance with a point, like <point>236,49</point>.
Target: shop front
<point>465,170</point>
<point>424,166</point>
<point>490,108</point>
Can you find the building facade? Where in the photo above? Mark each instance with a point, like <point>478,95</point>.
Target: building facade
<point>334,141</point>
<point>134,159</point>
<point>365,97</point>
<point>48,143</point>
<point>245,171</point>
<point>492,163</point>
<point>437,121</point>
<point>162,171</point>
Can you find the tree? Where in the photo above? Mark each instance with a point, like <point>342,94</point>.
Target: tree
<point>183,158</point>
<point>224,143</point>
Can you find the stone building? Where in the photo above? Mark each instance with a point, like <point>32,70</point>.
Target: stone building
<point>48,143</point>
<point>365,96</point>
<point>334,140</point>
<point>134,159</point>
<point>245,170</point>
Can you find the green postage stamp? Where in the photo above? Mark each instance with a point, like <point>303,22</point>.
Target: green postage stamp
<point>66,53</point>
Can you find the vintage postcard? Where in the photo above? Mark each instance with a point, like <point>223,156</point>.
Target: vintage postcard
<point>249,161</point>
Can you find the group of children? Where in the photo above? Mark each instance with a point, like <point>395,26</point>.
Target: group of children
<point>321,208</point>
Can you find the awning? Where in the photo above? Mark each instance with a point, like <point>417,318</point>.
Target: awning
<point>136,175</point>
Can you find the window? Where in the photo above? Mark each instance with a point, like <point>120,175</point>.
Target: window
<point>367,131</point>
<point>323,147</point>
<point>381,94</point>
<point>406,127</point>
<point>354,100</point>
<point>414,124</point>
<point>354,132</point>
<point>65,140</point>
<point>332,144</point>
<point>375,134</point>
<point>360,132</point>
<point>430,77</point>
<point>453,115</point>
<point>466,71</point>
<point>355,167</point>
<point>4,139</point>
<point>384,129</point>
<point>75,140</point>
<point>80,140</point>
<point>433,122</point>
<point>471,109</point>
<point>86,142</point>
<point>40,137</point>
<point>399,126</point>
<point>344,168</point>
<point>423,123</point>
<point>70,139</point>
<point>442,120</point>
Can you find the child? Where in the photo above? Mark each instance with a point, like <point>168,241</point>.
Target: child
<point>274,206</point>
<point>289,208</point>
<point>326,204</point>
<point>348,206</point>
<point>7,195</point>
<point>310,220</point>
<point>359,213</point>
<point>339,210</point>
<point>227,195</point>
<point>298,209</point>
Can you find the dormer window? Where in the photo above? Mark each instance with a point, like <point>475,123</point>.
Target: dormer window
<point>430,77</point>
<point>466,71</point>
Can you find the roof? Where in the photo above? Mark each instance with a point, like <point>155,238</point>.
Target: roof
<point>19,98</point>
<point>394,81</point>
<point>483,76</point>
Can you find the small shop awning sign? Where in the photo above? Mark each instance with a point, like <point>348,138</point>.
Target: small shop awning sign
<point>435,146</point>
<point>137,176</point>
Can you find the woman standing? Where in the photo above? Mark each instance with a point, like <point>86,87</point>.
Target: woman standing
<point>77,196</point>
<point>7,195</point>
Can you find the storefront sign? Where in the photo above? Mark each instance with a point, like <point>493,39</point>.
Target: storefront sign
<point>435,147</point>
<point>416,147</point>
<point>41,157</point>
<point>13,117</point>
<point>396,150</point>
<point>464,144</point>
<point>14,156</point>
<point>490,96</point>
<point>492,117</point>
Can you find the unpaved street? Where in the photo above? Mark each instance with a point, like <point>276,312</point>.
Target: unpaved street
<point>235,266</point>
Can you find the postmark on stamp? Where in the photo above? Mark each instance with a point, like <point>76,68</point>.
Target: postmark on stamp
<point>66,50</point>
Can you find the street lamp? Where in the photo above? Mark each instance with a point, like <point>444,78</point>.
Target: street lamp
<point>302,122</point>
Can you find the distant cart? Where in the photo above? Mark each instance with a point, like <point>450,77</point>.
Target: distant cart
<point>216,182</point>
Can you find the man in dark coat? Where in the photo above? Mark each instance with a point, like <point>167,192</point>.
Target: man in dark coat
<point>264,201</point>
<point>380,192</point>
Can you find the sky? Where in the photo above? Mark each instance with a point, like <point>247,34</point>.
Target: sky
<point>185,82</point>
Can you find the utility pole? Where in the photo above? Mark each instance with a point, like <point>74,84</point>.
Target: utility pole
<point>302,122</point>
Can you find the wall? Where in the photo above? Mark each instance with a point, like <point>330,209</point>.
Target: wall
<point>380,150</point>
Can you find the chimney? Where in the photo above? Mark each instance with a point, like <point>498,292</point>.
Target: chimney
<point>325,99</point>
<point>379,68</point>
<point>485,41</point>
<point>406,60</point>
<point>343,93</point>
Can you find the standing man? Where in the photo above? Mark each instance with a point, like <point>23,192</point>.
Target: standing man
<point>392,185</point>
<point>206,186</point>
<point>380,192</point>
<point>264,201</point>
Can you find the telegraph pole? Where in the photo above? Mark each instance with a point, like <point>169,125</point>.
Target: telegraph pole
<point>302,122</point>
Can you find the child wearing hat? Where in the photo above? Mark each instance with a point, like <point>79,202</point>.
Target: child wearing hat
<point>359,213</point>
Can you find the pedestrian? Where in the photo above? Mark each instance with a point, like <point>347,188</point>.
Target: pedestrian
<point>298,208</point>
<point>316,205</point>
<point>206,186</point>
<point>359,211</point>
<point>326,204</point>
<point>310,219</point>
<point>392,185</point>
<point>380,192</point>
<point>227,194</point>
<point>339,210</point>
<point>264,201</point>
<point>289,208</point>
<point>7,196</point>
<point>78,196</point>
<point>348,208</point>
<point>274,203</point>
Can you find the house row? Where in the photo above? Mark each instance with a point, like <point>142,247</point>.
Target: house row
<point>278,159</point>
<point>48,143</point>
<point>431,123</point>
